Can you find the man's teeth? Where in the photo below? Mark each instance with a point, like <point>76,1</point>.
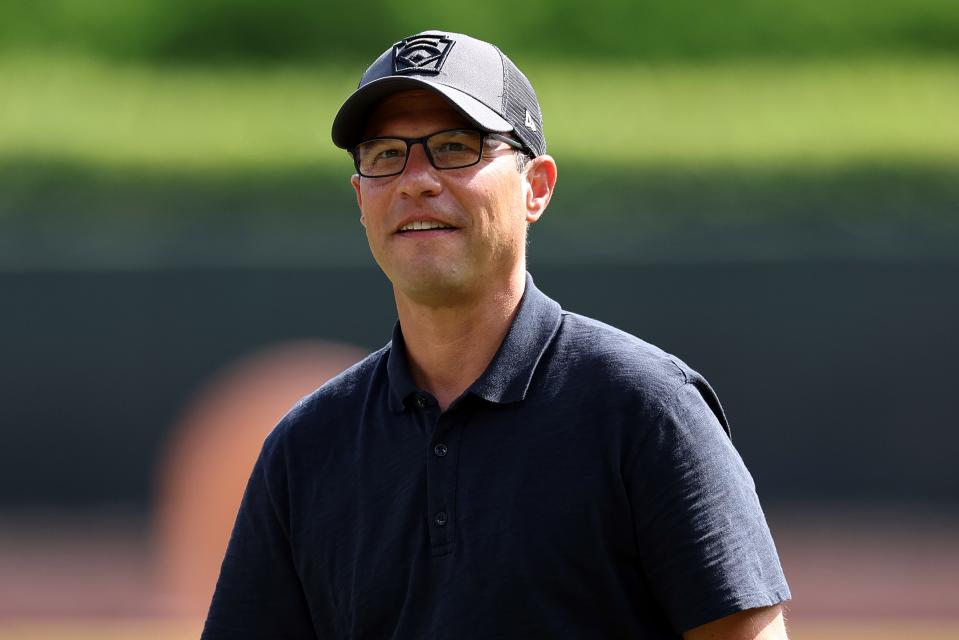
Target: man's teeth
<point>423,225</point>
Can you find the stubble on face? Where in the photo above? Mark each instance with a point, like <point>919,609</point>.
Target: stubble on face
<point>483,252</point>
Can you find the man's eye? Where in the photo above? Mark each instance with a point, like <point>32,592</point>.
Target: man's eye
<point>387,154</point>
<point>452,147</point>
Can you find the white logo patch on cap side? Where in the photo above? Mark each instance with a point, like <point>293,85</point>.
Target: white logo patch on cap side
<point>529,121</point>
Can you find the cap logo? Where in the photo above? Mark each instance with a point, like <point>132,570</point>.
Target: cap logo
<point>421,54</point>
<point>530,124</point>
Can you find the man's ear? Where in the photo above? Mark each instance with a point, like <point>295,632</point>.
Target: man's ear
<point>540,179</point>
<point>355,181</point>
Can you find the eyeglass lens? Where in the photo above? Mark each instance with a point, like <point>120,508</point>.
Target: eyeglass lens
<point>446,150</point>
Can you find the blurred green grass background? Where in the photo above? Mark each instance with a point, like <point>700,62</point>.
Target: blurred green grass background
<point>248,30</point>
<point>808,115</point>
<point>138,117</point>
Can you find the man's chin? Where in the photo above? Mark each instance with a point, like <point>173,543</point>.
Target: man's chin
<point>434,287</point>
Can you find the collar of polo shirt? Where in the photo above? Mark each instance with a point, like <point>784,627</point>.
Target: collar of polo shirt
<point>508,376</point>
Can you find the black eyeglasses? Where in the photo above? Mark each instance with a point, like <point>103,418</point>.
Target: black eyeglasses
<point>453,149</point>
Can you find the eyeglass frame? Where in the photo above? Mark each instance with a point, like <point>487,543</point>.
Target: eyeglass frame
<point>484,135</point>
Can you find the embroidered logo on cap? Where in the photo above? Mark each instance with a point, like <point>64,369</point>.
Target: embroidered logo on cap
<point>421,54</point>
<point>529,121</point>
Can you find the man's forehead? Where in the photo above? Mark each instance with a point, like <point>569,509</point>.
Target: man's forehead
<point>419,106</point>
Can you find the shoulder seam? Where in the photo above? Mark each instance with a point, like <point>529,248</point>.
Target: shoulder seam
<point>655,422</point>
<point>681,370</point>
<point>669,400</point>
<point>653,425</point>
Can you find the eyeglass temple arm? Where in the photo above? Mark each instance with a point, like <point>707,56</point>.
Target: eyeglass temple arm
<point>507,140</point>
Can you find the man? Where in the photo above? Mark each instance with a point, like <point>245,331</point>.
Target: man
<point>502,468</point>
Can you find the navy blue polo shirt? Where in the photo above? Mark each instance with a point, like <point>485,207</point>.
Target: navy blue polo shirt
<point>583,487</point>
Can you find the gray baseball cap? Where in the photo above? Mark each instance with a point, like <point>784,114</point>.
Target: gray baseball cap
<point>475,76</point>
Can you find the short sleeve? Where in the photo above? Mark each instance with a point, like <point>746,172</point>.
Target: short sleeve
<point>704,545</point>
<point>259,594</point>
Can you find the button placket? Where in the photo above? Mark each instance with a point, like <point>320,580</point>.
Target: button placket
<point>441,473</point>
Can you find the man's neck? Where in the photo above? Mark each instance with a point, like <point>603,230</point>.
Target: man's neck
<point>449,347</point>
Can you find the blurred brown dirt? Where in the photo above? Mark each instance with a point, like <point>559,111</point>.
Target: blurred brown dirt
<point>891,577</point>
<point>133,629</point>
<point>843,563</point>
<point>127,629</point>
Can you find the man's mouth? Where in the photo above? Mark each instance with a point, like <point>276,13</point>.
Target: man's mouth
<point>424,225</point>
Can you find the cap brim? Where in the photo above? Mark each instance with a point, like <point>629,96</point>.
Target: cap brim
<point>351,119</point>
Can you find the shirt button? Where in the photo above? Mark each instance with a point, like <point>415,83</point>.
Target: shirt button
<point>441,519</point>
<point>440,450</point>
<point>419,401</point>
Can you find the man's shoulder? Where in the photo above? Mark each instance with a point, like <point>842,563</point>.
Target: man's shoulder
<point>351,384</point>
<point>624,370</point>
<point>613,357</point>
<point>336,398</point>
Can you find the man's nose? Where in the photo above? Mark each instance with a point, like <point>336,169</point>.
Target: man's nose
<point>420,176</point>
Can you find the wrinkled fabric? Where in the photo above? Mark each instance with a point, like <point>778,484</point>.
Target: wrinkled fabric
<point>585,486</point>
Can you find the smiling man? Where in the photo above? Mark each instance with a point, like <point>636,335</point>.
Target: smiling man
<point>502,468</point>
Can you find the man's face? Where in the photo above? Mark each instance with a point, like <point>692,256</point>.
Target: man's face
<point>482,209</point>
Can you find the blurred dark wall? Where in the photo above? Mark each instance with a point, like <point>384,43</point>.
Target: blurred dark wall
<point>838,377</point>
